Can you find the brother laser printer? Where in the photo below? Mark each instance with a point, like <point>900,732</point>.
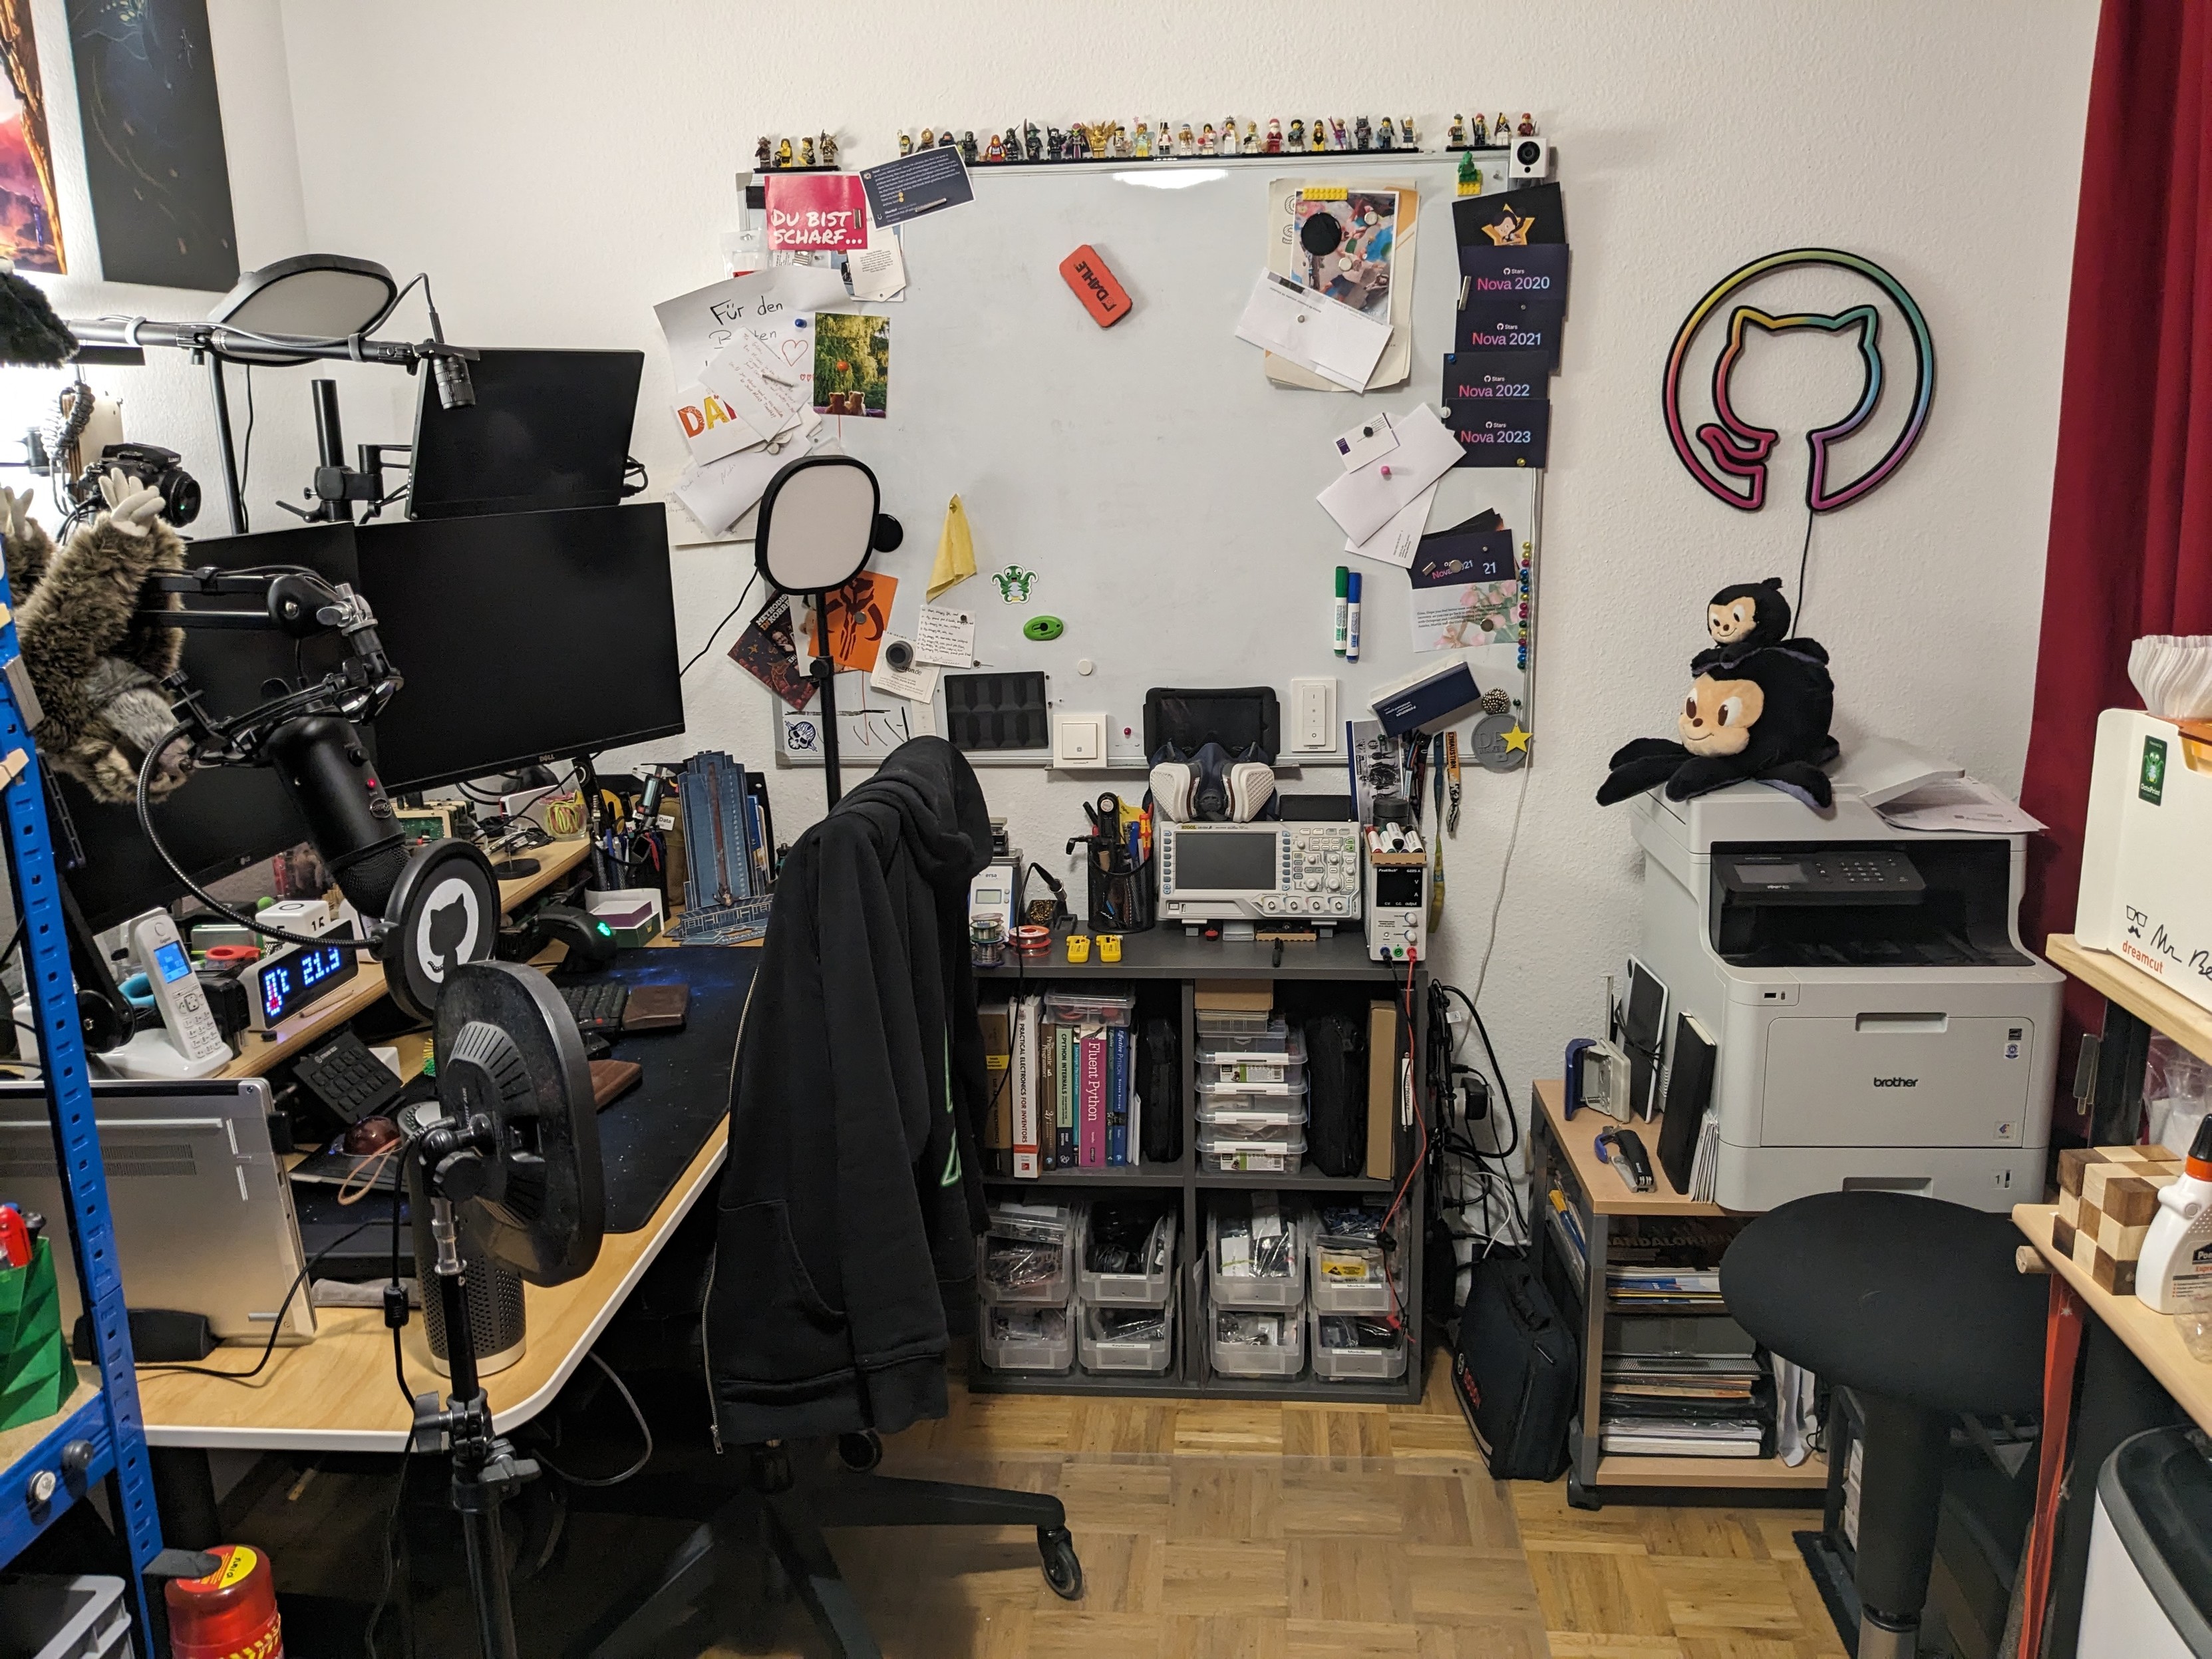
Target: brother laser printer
<point>1879,1022</point>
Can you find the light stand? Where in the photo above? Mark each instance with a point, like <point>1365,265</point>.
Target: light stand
<point>819,522</point>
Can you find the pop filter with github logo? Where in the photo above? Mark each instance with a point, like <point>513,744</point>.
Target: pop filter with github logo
<point>444,912</point>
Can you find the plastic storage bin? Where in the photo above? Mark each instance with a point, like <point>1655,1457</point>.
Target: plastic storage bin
<point>1273,1057</point>
<point>57,1618</point>
<point>1028,1255</point>
<point>1350,1349</point>
<point>1069,1007</point>
<point>1260,1031</point>
<point>1250,1342</point>
<point>1241,1226</point>
<point>1346,1265</point>
<point>1147,1288</point>
<point>1127,1339</point>
<point>1027,1339</point>
<point>1235,1156</point>
<point>1258,1129</point>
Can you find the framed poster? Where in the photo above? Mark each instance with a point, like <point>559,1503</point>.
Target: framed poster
<point>30,225</point>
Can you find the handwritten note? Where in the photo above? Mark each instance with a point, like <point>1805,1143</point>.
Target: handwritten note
<point>945,636</point>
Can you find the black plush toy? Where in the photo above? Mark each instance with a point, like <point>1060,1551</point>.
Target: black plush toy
<point>1759,708</point>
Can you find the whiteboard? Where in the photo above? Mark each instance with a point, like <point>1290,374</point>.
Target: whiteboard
<point>1155,483</point>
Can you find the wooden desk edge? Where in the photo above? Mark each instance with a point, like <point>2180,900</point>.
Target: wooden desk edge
<point>1603,1188</point>
<point>267,1436</point>
<point>2149,1336</point>
<point>2157,1004</point>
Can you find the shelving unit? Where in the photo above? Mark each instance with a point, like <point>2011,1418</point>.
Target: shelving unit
<point>1166,954</point>
<point>1567,1152</point>
<point>99,1434</point>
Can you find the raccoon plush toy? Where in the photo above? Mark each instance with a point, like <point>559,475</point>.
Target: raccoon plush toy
<point>1759,708</point>
<point>96,663</point>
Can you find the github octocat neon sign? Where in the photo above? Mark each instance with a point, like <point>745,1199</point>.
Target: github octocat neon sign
<point>1728,454</point>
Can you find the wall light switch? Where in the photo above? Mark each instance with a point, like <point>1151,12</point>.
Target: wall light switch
<point>1313,716</point>
<point>1079,740</point>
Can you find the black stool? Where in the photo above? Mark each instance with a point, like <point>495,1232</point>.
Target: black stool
<point>1913,1304</point>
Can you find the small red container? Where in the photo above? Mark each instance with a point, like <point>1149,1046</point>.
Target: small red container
<point>229,1615</point>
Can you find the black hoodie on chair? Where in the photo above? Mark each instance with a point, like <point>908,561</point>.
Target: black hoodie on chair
<point>846,1249</point>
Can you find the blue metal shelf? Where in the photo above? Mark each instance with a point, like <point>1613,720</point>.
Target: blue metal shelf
<point>108,1421</point>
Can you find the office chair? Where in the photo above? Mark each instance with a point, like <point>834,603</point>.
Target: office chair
<point>1914,1305</point>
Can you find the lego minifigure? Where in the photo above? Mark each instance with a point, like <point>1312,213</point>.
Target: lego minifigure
<point>1336,138</point>
<point>762,154</point>
<point>1298,133</point>
<point>906,142</point>
<point>1144,141</point>
<point>945,141</point>
<point>1320,140</point>
<point>1388,138</point>
<point>1362,135</point>
<point>1457,139</point>
<point>1186,144</point>
<point>828,149</point>
<point>1480,134</point>
<point>1207,145</point>
<point>783,154</point>
<point>1032,143</point>
<point>807,152</point>
<point>996,152</point>
<point>1405,140</point>
<point>968,152</point>
<point>1013,145</point>
<point>929,138</point>
<point>1501,130</point>
<point>1251,145</point>
<point>1527,127</point>
<point>1274,144</point>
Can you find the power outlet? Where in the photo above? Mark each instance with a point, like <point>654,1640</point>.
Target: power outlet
<point>1313,716</point>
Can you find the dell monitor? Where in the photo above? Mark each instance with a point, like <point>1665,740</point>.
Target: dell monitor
<point>548,430</point>
<point>523,637</point>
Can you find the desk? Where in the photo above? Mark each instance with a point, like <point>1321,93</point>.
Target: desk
<point>263,1053</point>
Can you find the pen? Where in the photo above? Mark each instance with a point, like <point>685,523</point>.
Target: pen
<point>1352,617</point>
<point>1343,582</point>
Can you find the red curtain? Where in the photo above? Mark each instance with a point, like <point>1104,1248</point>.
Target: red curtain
<point>2131,547</point>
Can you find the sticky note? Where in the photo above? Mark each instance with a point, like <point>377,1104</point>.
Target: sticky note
<point>1102,294</point>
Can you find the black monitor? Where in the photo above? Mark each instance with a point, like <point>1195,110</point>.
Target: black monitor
<point>548,430</point>
<point>223,820</point>
<point>522,637</point>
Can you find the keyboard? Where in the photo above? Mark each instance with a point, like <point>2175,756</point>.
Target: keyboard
<point>598,1006</point>
<point>346,1078</point>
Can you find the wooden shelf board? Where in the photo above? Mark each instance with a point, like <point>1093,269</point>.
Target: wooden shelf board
<point>1600,1186</point>
<point>263,1054</point>
<point>2151,1337</point>
<point>1621,1470</point>
<point>1131,1175</point>
<point>2157,1004</point>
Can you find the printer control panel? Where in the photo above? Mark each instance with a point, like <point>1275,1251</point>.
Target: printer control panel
<point>1854,872</point>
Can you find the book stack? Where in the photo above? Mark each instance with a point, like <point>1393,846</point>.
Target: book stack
<point>1073,1083</point>
<point>1680,1378</point>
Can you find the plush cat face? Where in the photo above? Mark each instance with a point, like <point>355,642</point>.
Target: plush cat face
<point>1718,715</point>
<point>1729,623</point>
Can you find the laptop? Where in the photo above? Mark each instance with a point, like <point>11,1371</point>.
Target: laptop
<point>203,1214</point>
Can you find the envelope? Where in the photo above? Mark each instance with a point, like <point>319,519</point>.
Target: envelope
<point>1362,502</point>
<point>1285,317</point>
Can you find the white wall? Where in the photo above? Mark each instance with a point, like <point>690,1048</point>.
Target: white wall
<point>168,401</point>
<point>558,171</point>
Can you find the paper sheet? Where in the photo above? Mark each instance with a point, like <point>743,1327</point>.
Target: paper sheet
<point>1954,805</point>
<point>1396,366</point>
<point>698,324</point>
<point>946,637</point>
<point>1396,542</point>
<point>761,389</point>
<point>917,683</point>
<point>878,270</point>
<point>1285,318</point>
<point>711,428</point>
<point>1364,502</point>
<point>719,493</point>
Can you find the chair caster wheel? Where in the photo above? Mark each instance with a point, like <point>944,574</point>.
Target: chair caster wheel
<point>1580,1497</point>
<point>1061,1570</point>
<point>861,1451</point>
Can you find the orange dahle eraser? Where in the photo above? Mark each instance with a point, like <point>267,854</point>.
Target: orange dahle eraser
<point>1104,298</point>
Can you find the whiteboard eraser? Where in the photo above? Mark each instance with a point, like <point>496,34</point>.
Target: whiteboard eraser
<point>1102,294</point>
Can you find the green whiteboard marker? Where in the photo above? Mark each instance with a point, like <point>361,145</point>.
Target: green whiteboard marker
<point>1343,605</point>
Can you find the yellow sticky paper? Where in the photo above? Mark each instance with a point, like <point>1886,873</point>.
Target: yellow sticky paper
<point>956,551</point>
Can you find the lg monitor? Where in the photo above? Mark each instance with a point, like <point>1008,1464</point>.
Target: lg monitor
<point>548,430</point>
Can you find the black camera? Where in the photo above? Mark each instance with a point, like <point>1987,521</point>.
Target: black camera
<point>154,468</point>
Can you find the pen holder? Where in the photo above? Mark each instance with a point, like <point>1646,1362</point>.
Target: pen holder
<point>36,1375</point>
<point>1121,891</point>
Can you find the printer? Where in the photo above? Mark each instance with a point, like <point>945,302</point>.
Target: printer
<point>1879,1023</point>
